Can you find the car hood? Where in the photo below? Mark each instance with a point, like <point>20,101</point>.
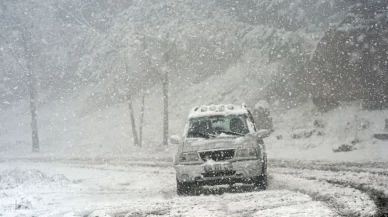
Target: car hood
<point>215,143</point>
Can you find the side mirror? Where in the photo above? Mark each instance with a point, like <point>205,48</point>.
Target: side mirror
<point>263,133</point>
<point>176,140</point>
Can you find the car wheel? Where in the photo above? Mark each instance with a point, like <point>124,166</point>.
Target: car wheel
<point>184,188</point>
<point>261,182</point>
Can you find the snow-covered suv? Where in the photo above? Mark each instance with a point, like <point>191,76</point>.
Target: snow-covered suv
<point>220,146</point>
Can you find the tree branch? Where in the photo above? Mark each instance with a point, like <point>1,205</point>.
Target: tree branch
<point>13,55</point>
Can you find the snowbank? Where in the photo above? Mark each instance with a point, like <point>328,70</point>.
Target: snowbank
<point>305,133</point>
<point>15,178</point>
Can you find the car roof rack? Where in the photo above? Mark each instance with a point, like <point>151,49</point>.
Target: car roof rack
<point>195,109</point>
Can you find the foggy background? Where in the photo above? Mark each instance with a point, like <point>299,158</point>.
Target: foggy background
<point>287,52</point>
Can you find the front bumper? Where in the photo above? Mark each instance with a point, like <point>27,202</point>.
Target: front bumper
<point>243,172</point>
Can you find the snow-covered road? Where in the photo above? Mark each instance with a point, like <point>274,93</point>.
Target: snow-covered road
<point>124,188</point>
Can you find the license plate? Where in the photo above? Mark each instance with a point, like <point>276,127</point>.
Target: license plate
<point>218,168</point>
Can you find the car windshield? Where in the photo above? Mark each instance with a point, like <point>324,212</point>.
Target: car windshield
<point>212,126</point>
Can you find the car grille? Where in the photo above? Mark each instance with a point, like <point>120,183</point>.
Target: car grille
<point>220,155</point>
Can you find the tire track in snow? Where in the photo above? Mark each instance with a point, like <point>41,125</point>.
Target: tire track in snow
<point>380,199</point>
<point>346,201</point>
<point>315,182</point>
<point>376,196</point>
<point>376,186</point>
<point>378,168</point>
<point>265,203</point>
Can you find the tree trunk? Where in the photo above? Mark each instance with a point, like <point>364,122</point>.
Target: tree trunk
<point>133,123</point>
<point>31,89</point>
<point>34,118</point>
<point>131,111</point>
<point>141,121</point>
<point>165,116</point>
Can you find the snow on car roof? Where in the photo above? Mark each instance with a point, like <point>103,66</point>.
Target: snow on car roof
<point>213,110</point>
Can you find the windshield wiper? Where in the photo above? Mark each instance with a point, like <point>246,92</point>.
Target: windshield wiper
<point>231,133</point>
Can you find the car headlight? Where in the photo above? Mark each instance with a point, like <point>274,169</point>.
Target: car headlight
<point>188,157</point>
<point>246,153</point>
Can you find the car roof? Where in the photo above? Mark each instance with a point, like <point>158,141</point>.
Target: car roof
<point>215,110</point>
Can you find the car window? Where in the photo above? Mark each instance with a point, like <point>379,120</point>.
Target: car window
<point>211,126</point>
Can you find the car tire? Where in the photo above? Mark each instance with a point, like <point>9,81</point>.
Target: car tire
<point>261,182</point>
<point>184,188</point>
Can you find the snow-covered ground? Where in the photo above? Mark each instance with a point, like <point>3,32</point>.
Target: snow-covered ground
<point>346,201</point>
<point>83,188</point>
<point>87,188</point>
<point>305,133</point>
<point>363,180</point>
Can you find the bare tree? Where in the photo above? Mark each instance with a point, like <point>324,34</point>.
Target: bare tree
<point>141,120</point>
<point>131,111</point>
<point>25,27</point>
<point>165,82</point>
<point>157,63</point>
<point>31,89</point>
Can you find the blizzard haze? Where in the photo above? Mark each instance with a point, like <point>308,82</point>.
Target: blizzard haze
<point>92,91</point>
